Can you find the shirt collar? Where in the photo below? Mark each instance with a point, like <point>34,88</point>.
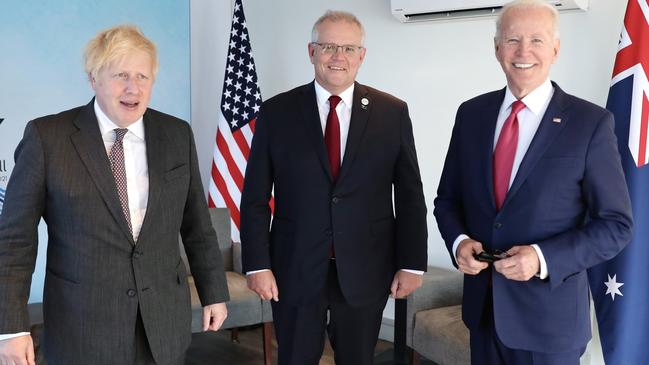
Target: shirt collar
<point>106,125</point>
<point>534,101</point>
<point>322,95</point>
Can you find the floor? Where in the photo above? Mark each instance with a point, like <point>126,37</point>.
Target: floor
<point>217,348</point>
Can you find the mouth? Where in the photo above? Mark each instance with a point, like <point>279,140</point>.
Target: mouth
<point>132,105</point>
<point>337,68</point>
<point>523,66</point>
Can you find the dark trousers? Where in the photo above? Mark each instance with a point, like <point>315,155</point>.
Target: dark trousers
<point>353,331</point>
<point>487,349</point>
<point>143,355</point>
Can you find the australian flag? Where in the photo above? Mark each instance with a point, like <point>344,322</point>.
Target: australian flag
<point>620,287</point>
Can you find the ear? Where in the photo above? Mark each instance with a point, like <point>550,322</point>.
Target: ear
<point>557,46</point>
<point>362,55</point>
<point>312,51</point>
<point>496,49</point>
<point>93,81</point>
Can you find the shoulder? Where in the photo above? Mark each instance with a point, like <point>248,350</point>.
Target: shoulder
<point>165,121</point>
<point>479,102</point>
<point>382,97</point>
<point>289,97</point>
<point>57,120</point>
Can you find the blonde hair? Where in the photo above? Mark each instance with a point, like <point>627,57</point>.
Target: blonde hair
<point>114,43</point>
<point>528,4</point>
<point>337,16</point>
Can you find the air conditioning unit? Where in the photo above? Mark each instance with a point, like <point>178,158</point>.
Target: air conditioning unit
<point>407,11</point>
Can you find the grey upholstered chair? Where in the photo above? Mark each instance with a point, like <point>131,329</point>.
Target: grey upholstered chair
<point>245,308</point>
<point>434,327</point>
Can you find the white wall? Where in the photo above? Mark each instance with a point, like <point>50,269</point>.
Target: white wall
<point>434,66</point>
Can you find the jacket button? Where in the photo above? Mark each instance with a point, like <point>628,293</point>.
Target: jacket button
<point>335,199</point>
<point>130,293</point>
<point>498,225</point>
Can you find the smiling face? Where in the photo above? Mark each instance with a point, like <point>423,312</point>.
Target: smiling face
<point>336,72</point>
<point>123,88</point>
<point>526,48</point>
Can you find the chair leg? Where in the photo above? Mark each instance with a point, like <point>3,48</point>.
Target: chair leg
<point>234,335</point>
<point>267,337</point>
<point>415,359</point>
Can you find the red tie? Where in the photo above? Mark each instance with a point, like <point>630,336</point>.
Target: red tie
<point>503,158</point>
<point>332,136</point>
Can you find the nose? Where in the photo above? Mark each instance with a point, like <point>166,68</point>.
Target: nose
<point>524,46</point>
<point>132,86</point>
<point>338,53</point>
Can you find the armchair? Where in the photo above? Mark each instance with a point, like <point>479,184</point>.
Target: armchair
<point>434,326</point>
<point>245,308</point>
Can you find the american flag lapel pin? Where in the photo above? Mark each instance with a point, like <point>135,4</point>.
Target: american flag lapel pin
<point>556,120</point>
<point>364,103</point>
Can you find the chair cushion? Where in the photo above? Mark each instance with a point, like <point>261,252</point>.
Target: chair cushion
<point>244,307</point>
<point>441,336</point>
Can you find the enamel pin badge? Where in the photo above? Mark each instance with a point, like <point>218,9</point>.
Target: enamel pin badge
<point>364,103</point>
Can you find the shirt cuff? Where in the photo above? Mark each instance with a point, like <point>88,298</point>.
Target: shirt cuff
<point>417,272</point>
<point>13,335</point>
<point>456,243</point>
<point>256,271</point>
<point>543,271</point>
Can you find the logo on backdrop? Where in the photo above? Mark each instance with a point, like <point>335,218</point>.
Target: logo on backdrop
<point>3,178</point>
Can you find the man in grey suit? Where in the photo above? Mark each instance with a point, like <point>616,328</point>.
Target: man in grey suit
<point>116,183</point>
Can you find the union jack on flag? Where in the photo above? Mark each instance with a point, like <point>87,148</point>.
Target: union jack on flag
<point>619,286</point>
<point>240,103</point>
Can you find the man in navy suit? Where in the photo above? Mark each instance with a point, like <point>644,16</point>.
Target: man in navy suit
<point>333,151</point>
<point>535,173</point>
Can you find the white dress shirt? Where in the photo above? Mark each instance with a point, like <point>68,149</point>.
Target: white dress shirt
<point>529,119</point>
<point>137,172</point>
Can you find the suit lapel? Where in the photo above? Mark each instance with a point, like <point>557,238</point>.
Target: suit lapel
<point>361,108</point>
<point>486,146</point>
<point>92,152</point>
<point>313,126</point>
<point>546,133</point>
<point>156,148</point>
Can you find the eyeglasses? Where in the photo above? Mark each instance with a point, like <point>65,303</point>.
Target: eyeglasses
<point>332,48</point>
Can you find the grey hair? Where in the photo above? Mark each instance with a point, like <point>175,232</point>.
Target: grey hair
<point>337,16</point>
<point>528,4</point>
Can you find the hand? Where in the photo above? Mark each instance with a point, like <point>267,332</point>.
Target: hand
<point>465,260</point>
<point>263,283</point>
<point>404,283</point>
<point>17,351</point>
<point>522,264</point>
<point>213,316</point>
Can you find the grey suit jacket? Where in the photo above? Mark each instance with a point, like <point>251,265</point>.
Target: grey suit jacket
<point>96,276</point>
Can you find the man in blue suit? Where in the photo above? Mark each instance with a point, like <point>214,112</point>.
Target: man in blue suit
<point>533,173</point>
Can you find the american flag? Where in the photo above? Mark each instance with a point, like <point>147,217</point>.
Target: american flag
<point>240,104</point>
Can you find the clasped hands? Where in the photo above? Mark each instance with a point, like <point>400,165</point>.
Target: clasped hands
<point>521,264</point>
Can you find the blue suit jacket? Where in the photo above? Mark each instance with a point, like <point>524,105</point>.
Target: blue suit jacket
<point>569,197</point>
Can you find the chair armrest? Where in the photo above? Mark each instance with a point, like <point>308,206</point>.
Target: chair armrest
<point>441,288</point>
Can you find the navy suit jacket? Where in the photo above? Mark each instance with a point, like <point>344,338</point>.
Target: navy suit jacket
<point>569,197</point>
<point>372,237</point>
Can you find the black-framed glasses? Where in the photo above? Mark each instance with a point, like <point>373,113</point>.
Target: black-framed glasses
<point>331,48</point>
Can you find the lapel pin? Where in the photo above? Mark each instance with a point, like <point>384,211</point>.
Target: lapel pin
<point>556,120</point>
<point>364,103</point>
